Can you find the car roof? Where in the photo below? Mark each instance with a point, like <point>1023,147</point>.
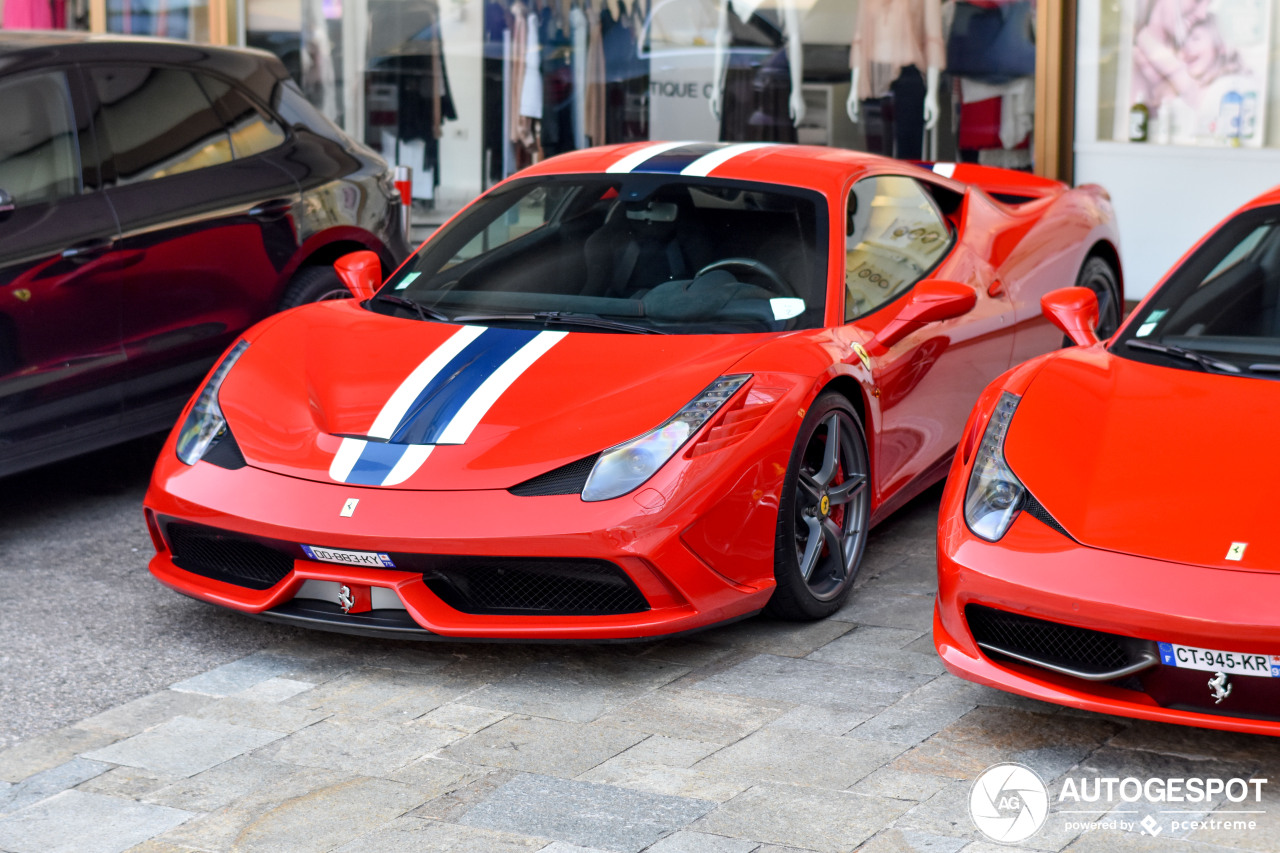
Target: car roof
<point>23,51</point>
<point>808,166</point>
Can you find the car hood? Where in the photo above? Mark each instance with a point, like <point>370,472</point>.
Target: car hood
<point>1151,460</point>
<point>495,407</point>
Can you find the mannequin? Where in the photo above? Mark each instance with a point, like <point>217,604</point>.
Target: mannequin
<point>793,57</point>
<point>892,41</point>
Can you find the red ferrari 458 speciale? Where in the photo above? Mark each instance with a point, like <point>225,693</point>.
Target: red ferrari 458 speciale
<point>632,391</point>
<point>1106,540</point>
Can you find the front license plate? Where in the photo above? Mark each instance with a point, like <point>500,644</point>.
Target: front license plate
<point>1208,660</point>
<point>370,559</point>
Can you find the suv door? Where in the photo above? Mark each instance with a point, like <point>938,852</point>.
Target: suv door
<point>61,360</point>
<point>209,214</point>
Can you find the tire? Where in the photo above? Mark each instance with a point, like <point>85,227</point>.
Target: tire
<point>312,284</point>
<point>841,475</point>
<point>1098,276</point>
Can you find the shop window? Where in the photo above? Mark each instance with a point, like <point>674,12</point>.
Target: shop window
<point>251,130</point>
<point>894,236</point>
<point>158,121</point>
<point>1186,72</point>
<point>38,152</point>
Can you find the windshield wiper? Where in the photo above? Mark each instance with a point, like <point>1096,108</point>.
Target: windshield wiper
<point>1207,363</point>
<point>423,312</point>
<point>1265,367</point>
<point>564,318</point>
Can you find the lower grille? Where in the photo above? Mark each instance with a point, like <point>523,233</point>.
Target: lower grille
<point>226,557</point>
<point>1093,655</point>
<point>519,586</point>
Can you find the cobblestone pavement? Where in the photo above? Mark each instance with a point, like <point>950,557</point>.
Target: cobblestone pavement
<point>762,736</point>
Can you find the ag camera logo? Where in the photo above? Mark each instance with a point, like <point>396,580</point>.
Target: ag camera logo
<point>1009,803</point>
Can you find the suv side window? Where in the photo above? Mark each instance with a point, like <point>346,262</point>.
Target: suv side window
<point>159,122</point>
<point>895,235</point>
<point>252,131</point>
<point>39,156</point>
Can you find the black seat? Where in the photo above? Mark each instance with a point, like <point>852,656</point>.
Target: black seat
<point>643,245</point>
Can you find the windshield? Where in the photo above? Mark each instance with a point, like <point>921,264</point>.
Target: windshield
<point>625,253</point>
<point>1220,310</point>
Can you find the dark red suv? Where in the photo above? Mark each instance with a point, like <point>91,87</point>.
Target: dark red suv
<point>157,198</point>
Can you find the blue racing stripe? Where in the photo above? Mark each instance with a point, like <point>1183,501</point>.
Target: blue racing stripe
<point>436,405</point>
<point>375,463</point>
<point>677,159</point>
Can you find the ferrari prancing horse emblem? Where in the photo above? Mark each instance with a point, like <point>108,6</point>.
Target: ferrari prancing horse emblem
<point>345,599</point>
<point>1220,686</point>
<point>349,508</point>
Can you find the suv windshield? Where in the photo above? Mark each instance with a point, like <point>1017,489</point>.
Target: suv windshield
<point>625,253</point>
<point>1220,310</point>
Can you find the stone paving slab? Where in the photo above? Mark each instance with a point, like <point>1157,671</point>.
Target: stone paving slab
<point>76,822</point>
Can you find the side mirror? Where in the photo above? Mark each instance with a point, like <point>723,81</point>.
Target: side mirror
<point>361,272</point>
<point>1074,310</point>
<point>931,300</point>
<point>6,202</point>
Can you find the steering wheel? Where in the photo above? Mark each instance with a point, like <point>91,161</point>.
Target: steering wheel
<point>780,285</point>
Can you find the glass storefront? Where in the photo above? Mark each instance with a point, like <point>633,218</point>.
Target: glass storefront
<point>468,91</point>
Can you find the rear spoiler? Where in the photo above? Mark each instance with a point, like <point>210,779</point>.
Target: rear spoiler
<point>1004,185</point>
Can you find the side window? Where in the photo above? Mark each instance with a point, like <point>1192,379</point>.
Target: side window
<point>39,157</point>
<point>894,236</point>
<point>252,131</point>
<point>158,121</point>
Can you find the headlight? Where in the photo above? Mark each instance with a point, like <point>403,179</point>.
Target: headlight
<point>623,468</point>
<point>994,495</point>
<point>205,424</point>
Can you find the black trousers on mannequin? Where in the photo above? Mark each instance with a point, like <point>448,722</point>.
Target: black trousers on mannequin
<point>901,130</point>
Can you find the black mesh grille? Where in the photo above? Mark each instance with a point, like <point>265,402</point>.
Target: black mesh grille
<point>227,557</point>
<point>1063,645</point>
<point>1035,509</point>
<point>565,480</point>
<point>534,586</point>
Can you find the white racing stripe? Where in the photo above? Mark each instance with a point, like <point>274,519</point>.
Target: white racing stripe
<point>395,408</point>
<point>946,170</point>
<point>626,164</point>
<point>400,401</point>
<point>479,403</point>
<point>705,165</point>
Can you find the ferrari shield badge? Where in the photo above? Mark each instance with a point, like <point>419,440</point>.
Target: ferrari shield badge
<point>863,355</point>
<point>1220,687</point>
<point>349,508</point>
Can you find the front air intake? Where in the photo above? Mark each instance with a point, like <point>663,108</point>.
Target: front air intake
<point>534,587</point>
<point>1092,655</point>
<point>226,557</point>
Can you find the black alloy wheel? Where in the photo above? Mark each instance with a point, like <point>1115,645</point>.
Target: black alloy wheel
<point>1098,276</point>
<point>313,284</point>
<point>823,514</point>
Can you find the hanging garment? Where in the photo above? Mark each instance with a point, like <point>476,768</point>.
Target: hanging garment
<point>595,100</point>
<point>902,112</point>
<point>1007,124</point>
<point>519,45</point>
<point>891,35</point>
<point>557,84</point>
<point>756,101</point>
<point>496,33</point>
<point>581,29</point>
<point>994,43</point>
<point>425,102</point>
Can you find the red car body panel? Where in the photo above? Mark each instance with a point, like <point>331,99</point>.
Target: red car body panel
<point>1154,472</point>
<point>698,538</point>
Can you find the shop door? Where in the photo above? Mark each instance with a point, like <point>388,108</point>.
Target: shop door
<point>60,352</point>
<point>212,232</point>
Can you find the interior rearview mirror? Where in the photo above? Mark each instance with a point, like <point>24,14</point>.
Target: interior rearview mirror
<point>361,272</point>
<point>930,301</point>
<point>1074,310</point>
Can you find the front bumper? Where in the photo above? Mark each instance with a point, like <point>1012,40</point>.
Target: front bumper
<point>652,547</point>
<point>1037,572</point>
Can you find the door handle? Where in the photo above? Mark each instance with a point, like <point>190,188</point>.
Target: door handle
<point>87,251</point>
<point>269,211</point>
